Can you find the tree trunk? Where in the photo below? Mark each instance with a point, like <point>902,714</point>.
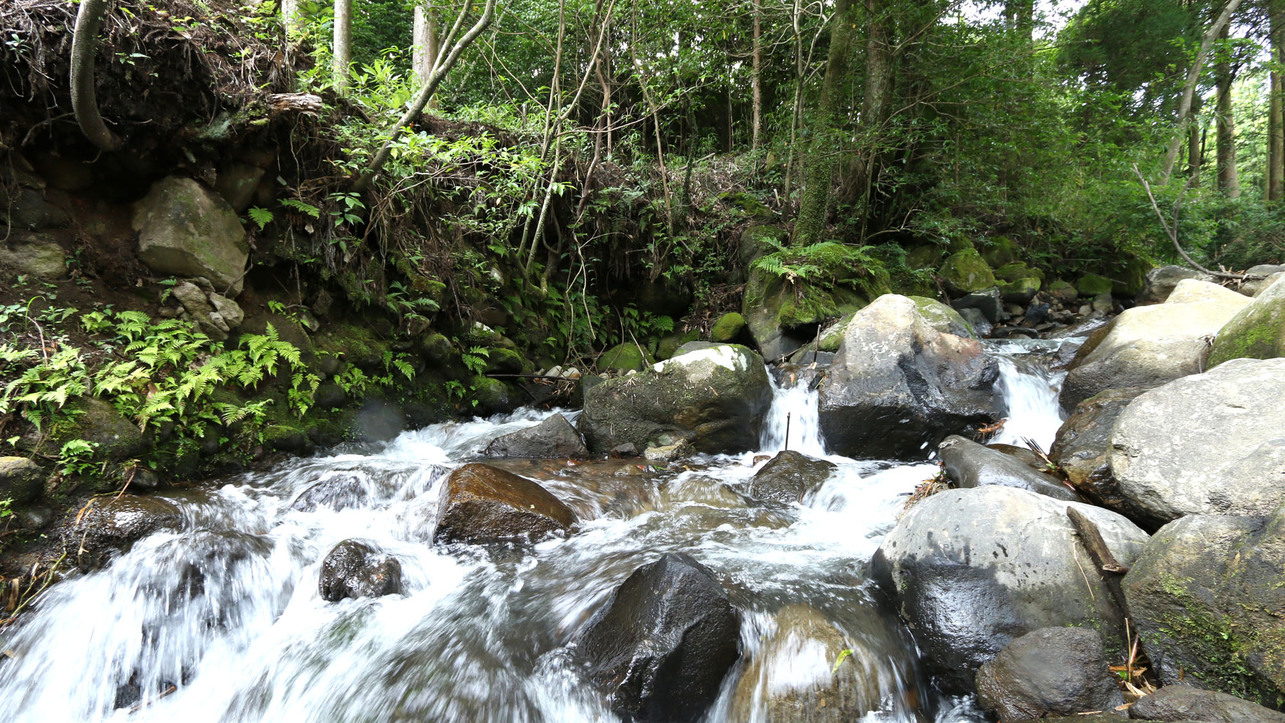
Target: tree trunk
<point>818,171</point>
<point>877,103</point>
<point>342,45</point>
<point>424,48</point>
<point>1189,87</point>
<point>756,126</point>
<point>84,101</point>
<point>796,108</point>
<point>1276,108</point>
<point>290,17</point>
<point>1228,183</point>
<point>1195,150</point>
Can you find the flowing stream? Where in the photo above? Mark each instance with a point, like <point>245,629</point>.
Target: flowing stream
<point>223,621</point>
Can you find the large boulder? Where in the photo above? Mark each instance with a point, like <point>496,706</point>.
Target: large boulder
<point>1082,445</point>
<point>1206,595</point>
<point>789,477</point>
<point>34,254</point>
<point>1207,444</point>
<point>97,422</point>
<point>1051,671</point>
<point>484,504</point>
<point>354,569</point>
<point>801,673</point>
<point>1259,277</point>
<point>971,570</point>
<point>186,230</point>
<point>782,316</point>
<point>1160,282</point>
<point>1147,346</point>
<point>552,438</point>
<point>662,644</point>
<point>714,398</point>
<point>107,526</point>
<point>965,272</point>
<point>971,464</point>
<point>1256,331</point>
<point>899,385</point>
<point>21,480</point>
<point>1186,703</point>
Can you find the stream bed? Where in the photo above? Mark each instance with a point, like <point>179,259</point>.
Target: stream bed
<point>224,622</point>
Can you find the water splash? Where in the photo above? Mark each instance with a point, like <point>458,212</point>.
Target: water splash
<point>793,421</point>
<point>1029,391</point>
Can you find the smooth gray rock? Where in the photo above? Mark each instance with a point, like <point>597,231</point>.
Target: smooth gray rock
<point>1082,447</point>
<point>34,254</point>
<point>1050,671</point>
<point>1147,346</point>
<point>970,464</point>
<point>1162,280</point>
<point>898,385</point>
<point>989,302</point>
<point>970,570</point>
<point>1206,595</point>
<point>1260,277</point>
<point>551,438</point>
<point>185,230</point>
<point>715,398</point>
<point>1185,703</point>
<point>1213,443</point>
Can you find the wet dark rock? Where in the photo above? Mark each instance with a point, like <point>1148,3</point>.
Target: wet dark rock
<point>788,478</point>
<point>804,643</point>
<point>21,480</point>
<point>338,493</point>
<point>714,398</point>
<point>329,396</point>
<point>989,302</point>
<point>115,438</point>
<point>111,525</point>
<point>970,464</point>
<point>1082,445</point>
<point>970,570</point>
<point>976,319</point>
<point>1036,314</point>
<point>1206,595</point>
<point>1058,671</point>
<point>1022,454</point>
<point>484,504</point>
<point>355,570</point>
<point>1184,703</point>
<point>898,385</point>
<point>624,450</point>
<point>552,438</point>
<point>662,644</point>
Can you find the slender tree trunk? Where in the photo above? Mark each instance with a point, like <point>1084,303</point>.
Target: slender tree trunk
<point>756,126</point>
<point>290,17</point>
<point>84,100</point>
<point>818,171</point>
<point>1276,108</point>
<point>877,102</point>
<point>1195,149</point>
<point>1189,88</point>
<point>424,48</point>
<point>342,45</point>
<point>1228,182</point>
<point>796,108</point>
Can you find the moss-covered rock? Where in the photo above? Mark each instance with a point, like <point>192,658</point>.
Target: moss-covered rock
<point>927,256</point>
<point>501,360</point>
<point>354,343</point>
<point>1000,250</point>
<point>1020,291</point>
<point>757,241</point>
<point>435,349</point>
<point>942,317</point>
<point>185,230</point>
<point>782,316</point>
<point>1131,278</point>
<point>1018,270</point>
<point>1063,291</point>
<point>669,344</point>
<point>624,357</point>
<point>1256,331</point>
<point>728,327</point>
<point>95,421</point>
<point>21,480</point>
<point>1091,285</point>
<point>491,396</point>
<point>966,272</point>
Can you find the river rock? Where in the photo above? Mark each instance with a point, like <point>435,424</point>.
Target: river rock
<point>1147,346</point>
<point>1051,671</point>
<point>714,398</point>
<point>1185,703</point>
<point>662,644</point>
<point>112,525</point>
<point>965,272</point>
<point>484,504</point>
<point>1213,443</point>
<point>1162,280</point>
<point>34,254</point>
<point>115,438</point>
<point>988,302</point>
<point>339,492</point>
<point>552,438</point>
<point>355,569</point>
<point>970,570</point>
<point>21,480</point>
<point>970,464</point>
<point>185,230</point>
<point>1206,595</point>
<point>789,477</point>
<point>782,316</point>
<point>1083,442</point>
<point>1256,331</point>
<point>1260,277</point>
<point>898,385</point>
<point>794,677</point>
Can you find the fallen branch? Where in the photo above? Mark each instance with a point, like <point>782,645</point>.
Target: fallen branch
<point>1171,230</point>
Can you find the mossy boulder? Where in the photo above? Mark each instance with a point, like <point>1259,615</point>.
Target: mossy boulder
<point>491,396</point>
<point>1256,331</point>
<point>1131,278</point>
<point>186,230</point>
<point>354,343</point>
<point>1063,291</point>
<point>1020,291</point>
<point>501,360</point>
<point>625,357</point>
<point>941,317</point>
<point>756,241</point>
<point>669,344</point>
<point>927,256</point>
<point>115,438</point>
<point>1018,270</point>
<point>1091,285</point>
<point>35,254</point>
<point>966,272</point>
<point>1000,250</point>
<point>783,316</point>
<point>435,349</point>
<point>728,327</point>
<point>21,480</point>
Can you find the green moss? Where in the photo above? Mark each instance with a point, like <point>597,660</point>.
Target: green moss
<point>353,343</point>
<point>624,357</point>
<point>1132,277</point>
<point>1000,250</point>
<point>1018,270</point>
<point>928,256</point>
<point>669,344</point>
<point>507,361</point>
<point>1256,332</point>
<point>965,272</point>
<point>1020,291</point>
<point>943,318</point>
<point>1091,285</point>
<point>727,328</point>
<point>1062,289</point>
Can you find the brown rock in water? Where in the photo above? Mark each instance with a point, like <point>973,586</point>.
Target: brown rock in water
<point>485,504</point>
<point>108,526</point>
<point>789,477</point>
<point>1058,671</point>
<point>554,437</point>
<point>355,569</point>
<point>1082,444</point>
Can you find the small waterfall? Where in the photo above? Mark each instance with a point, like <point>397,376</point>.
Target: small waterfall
<point>1029,390</point>
<point>793,421</point>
